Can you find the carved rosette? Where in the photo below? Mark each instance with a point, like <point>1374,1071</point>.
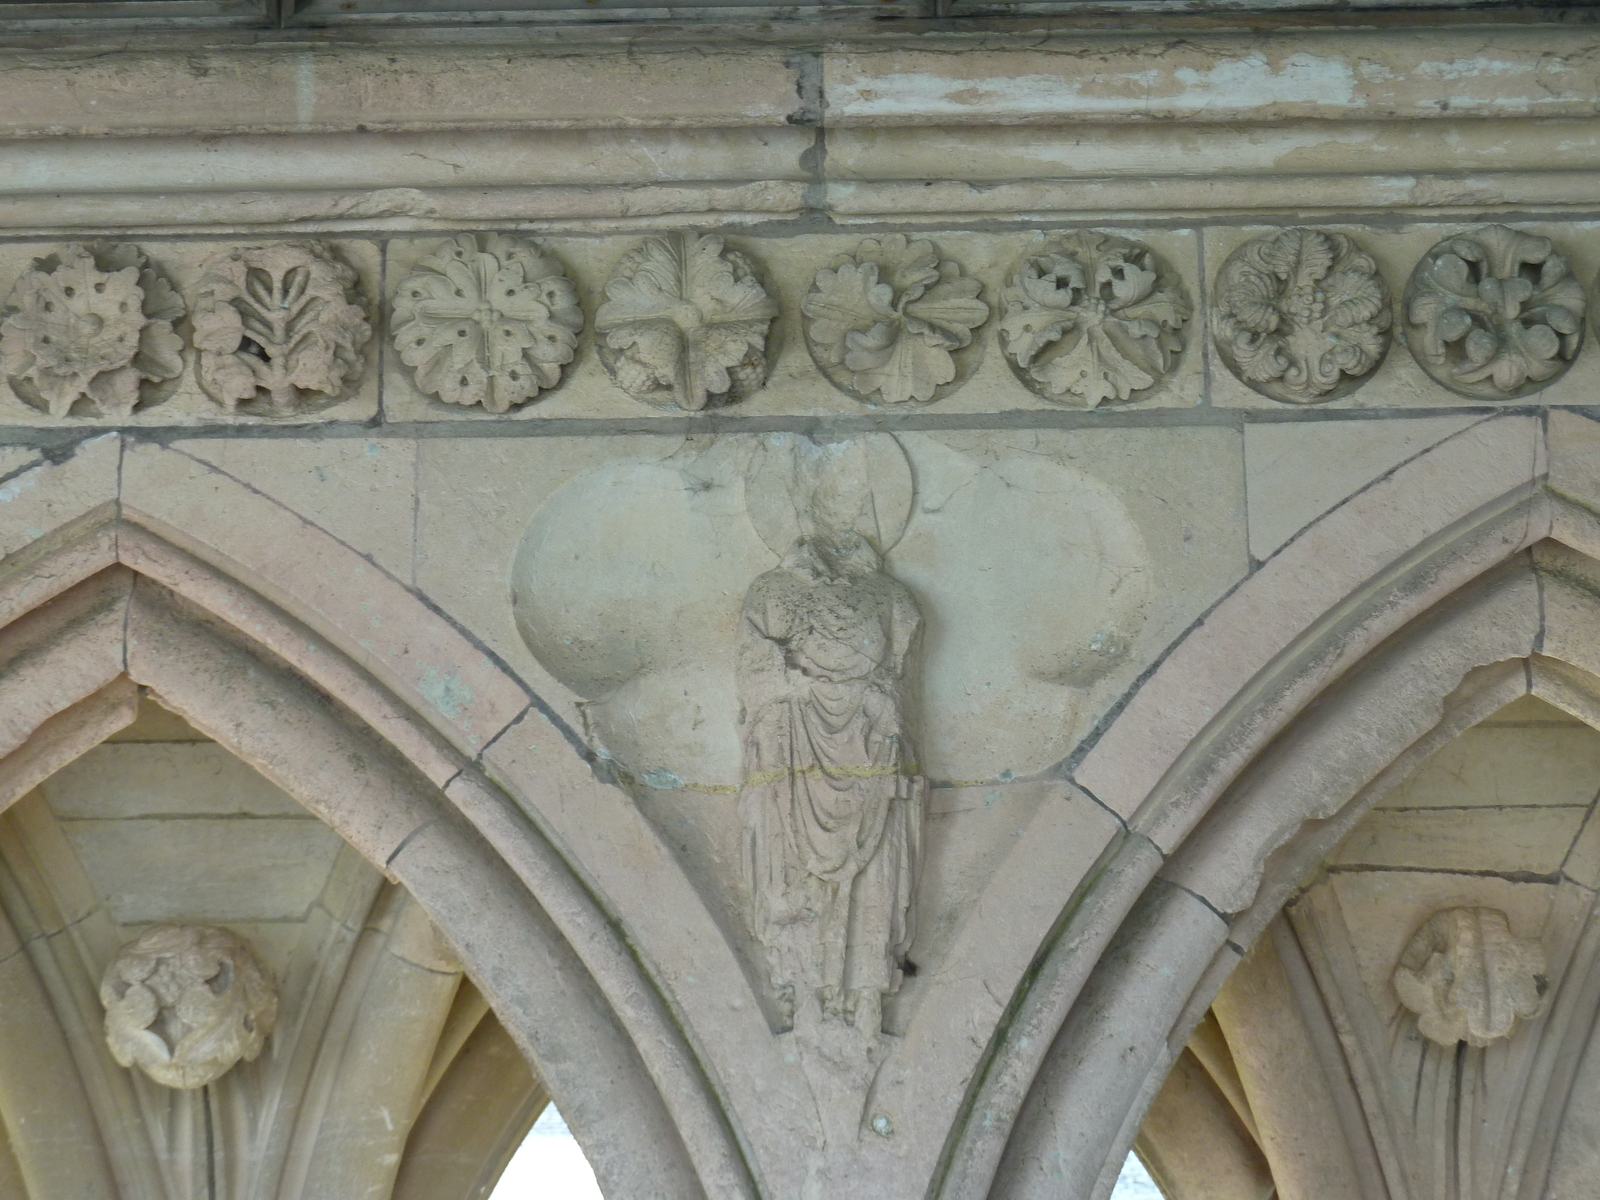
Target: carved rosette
<point>685,323</point>
<point>884,322</point>
<point>90,323</point>
<point>1302,316</point>
<point>1468,978</point>
<point>1494,314</point>
<point>282,321</point>
<point>184,1003</point>
<point>487,321</point>
<point>1093,318</point>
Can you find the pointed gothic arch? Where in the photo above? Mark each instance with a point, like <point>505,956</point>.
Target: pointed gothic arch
<point>106,603</point>
<point>1467,576</point>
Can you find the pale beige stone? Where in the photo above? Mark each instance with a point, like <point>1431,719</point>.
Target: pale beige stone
<point>1288,76</point>
<point>1499,839</point>
<point>295,90</point>
<point>1503,765</point>
<point>184,779</point>
<point>1296,473</point>
<point>1323,565</point>
<point>182,400</point>
<point>368,614</point>
<point>360,490</point>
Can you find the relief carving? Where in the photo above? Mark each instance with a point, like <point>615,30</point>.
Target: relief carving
<point>884,321</point>
<point>281,320</point>
<point>184,1003</point>
<point>91,323</point>
<point>487,321</point>
<point>831,803</point>
<point>1494,314</point>
<point>685,323</point>
<point>1468,978</point>
<point>1303,316</point>
<point>1093,318</point>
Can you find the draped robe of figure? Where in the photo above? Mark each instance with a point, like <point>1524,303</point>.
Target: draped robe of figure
<point>831,804</point>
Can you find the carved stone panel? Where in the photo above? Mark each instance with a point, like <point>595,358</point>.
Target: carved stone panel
<point>184,1003</point>
<point>1092,319</point>
<point>487,321</point>
<point>281,322</point>
<point>1302,316</point>
<point>685,323</point>
<point>832,802</point>
<point>1494,314</point>
<point>884,322</point>
<point>91,323</point>
<point>1468,978</point>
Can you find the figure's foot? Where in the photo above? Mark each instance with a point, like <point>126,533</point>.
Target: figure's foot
<point>829,998</point>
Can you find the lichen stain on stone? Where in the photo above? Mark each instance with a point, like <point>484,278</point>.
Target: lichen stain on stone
<point>445,692</point>
<point>1254,81</point>
<point>17,486</point>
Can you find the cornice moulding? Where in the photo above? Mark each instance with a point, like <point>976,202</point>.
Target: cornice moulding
<point>1372,75</point>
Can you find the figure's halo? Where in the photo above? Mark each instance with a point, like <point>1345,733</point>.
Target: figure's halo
<point>873,463</point>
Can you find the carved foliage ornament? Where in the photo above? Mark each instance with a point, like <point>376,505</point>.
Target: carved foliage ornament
<point>1302,315</point>
<point>184,1003</point>
<point>883,322</point>
<point>281,320</point>
<point>91,323</point>
<point>1494,314</point>
<point>488,322</point>
<point>685,323</point>
<point>1468,978</point>
<point>1091,319</point>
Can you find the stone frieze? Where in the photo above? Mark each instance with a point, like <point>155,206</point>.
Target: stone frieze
<point>493,326</point>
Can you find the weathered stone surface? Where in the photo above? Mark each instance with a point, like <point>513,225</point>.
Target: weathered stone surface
<point>790,757</point>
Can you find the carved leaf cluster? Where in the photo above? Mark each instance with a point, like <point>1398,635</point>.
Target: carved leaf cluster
<point>280,320</point>
<point>1494,314</point>
<point>884,321</point>
<point>685,323</point>
<point>1094,318</point>
<point>488,322</point>
<point>1468,978</point>
<point>184,1003</point>
<point>1302,315</point>
<point>91,323</point>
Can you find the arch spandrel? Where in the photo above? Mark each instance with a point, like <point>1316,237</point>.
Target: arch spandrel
<point>1513,595</point>
<point>194,656</point>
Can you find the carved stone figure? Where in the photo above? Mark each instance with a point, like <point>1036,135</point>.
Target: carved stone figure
<point>184,1003</point>
<point>281,320</point>
<point>831,802</point>
<point>1468,978</point>
<point>487,321</point>
<point>90,323</point>
<point>883,322</point>
<point>1302,316</point>
<point>685,323</point>
<point>1092,318</point>
<point>1494,314</point>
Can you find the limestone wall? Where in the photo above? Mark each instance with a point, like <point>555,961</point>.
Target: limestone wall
<point>844,587</point>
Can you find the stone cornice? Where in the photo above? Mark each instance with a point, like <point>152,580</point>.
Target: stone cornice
<point>955,128</point>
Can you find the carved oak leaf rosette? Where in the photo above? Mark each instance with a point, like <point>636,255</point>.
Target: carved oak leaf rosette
<point>884,320</point>
<point>1302,316</point>
<point>1091,319</point>
<point>184,1003</point>
<point>490,323</point>
<point>685,323</point>
<point>280,319</point>
<point>1468,978</point>
<point>1494,314</point>
<point>90,323</point>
